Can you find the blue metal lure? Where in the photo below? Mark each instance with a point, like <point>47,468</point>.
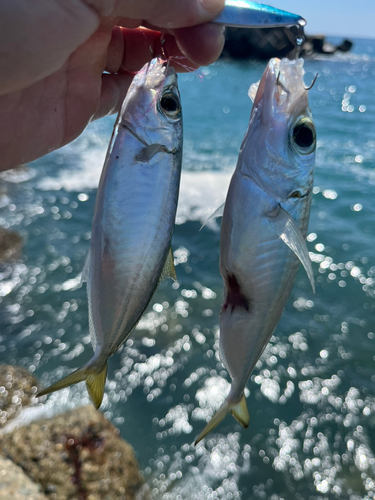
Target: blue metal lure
<point>245,14</point>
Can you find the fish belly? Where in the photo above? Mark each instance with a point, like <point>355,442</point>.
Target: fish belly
<point>132,228</point>
<point>258,270</point>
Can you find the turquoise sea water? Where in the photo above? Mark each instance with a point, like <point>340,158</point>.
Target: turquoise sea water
<point>312,395</point>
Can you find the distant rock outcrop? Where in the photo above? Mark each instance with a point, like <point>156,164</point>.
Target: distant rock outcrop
<point>264,43</point>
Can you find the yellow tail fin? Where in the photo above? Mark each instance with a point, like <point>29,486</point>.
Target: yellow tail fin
<point>238,410</point>
<point>95,383</point>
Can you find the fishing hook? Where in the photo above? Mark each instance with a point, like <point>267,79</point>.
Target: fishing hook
<point>278,82</point>
<point>313,82</point>
<point>163,51</point>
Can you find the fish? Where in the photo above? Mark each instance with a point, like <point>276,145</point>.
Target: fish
<point>246,14</point>
<point>264,225</point>
<point>134,217</point>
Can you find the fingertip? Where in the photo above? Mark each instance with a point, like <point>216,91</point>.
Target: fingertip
<point>201,44</point>
<point>115,51</point>
<point>213,6</point>
<point>113,92</point>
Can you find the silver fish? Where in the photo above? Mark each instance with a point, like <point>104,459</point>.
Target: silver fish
<point>134,218</point>
<point>264,225</point>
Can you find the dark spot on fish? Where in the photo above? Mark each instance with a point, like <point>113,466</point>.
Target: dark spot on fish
<point>117,157</point>
<point>298,194</point>
<point>234,297</point>
<point>295,194</point>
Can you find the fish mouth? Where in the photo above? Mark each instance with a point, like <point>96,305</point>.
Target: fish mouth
<point>269,76</point>
<point>281,87</point>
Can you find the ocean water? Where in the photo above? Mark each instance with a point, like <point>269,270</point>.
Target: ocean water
<point>311,396</point>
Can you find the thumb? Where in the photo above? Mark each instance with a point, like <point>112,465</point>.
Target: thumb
<point>168,14</point>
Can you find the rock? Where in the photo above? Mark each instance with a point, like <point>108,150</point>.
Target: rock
<point>257,43</point>
<point>264,43</point>
<point>10,245</point>
<point>77,455</point>
<point>15,484</point>
<point>17,389</point>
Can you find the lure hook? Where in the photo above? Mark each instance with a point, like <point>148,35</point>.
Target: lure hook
<point>278,82</point>
<point>313,82</point>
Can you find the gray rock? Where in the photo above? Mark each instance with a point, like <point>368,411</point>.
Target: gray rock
<point>10,245</point>
<point>77,455</point>
<point>15,484</point>
<point>17,389</point>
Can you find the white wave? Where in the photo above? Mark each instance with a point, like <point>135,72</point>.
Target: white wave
<point>201,193</point>
<point>85,176</point>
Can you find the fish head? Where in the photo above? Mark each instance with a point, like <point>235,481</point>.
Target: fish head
<point>152,108</point>
<point>278,150</point>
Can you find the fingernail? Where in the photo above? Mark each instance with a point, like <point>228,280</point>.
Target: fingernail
<point>214,6</point>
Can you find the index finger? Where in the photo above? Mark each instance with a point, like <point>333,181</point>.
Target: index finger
<point>130,49</point>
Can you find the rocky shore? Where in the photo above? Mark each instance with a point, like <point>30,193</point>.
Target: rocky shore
<point>76,455</point>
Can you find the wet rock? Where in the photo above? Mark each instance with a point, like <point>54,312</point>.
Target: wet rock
<point>17,389</point>
<point>15,484</point>
<point>76,455</point>
<point>10,245</point>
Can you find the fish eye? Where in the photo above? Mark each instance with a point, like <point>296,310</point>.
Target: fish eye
<point>304,136</point>
<point>170,105</point>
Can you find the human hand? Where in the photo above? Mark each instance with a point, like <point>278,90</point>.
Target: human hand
<point>53,54</point>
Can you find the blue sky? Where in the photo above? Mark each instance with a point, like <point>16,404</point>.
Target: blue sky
<point>347,18</point>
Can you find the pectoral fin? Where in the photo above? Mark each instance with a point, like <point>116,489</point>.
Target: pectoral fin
<point>286,228</point>
<point>147,153</point>
<point>169,270</point>
<point>218,213</point>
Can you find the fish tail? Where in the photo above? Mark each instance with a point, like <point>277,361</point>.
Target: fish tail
<point>95,382</point>
<point>237,408</point>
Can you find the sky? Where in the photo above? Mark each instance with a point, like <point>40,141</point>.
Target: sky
<point>346,18</point>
